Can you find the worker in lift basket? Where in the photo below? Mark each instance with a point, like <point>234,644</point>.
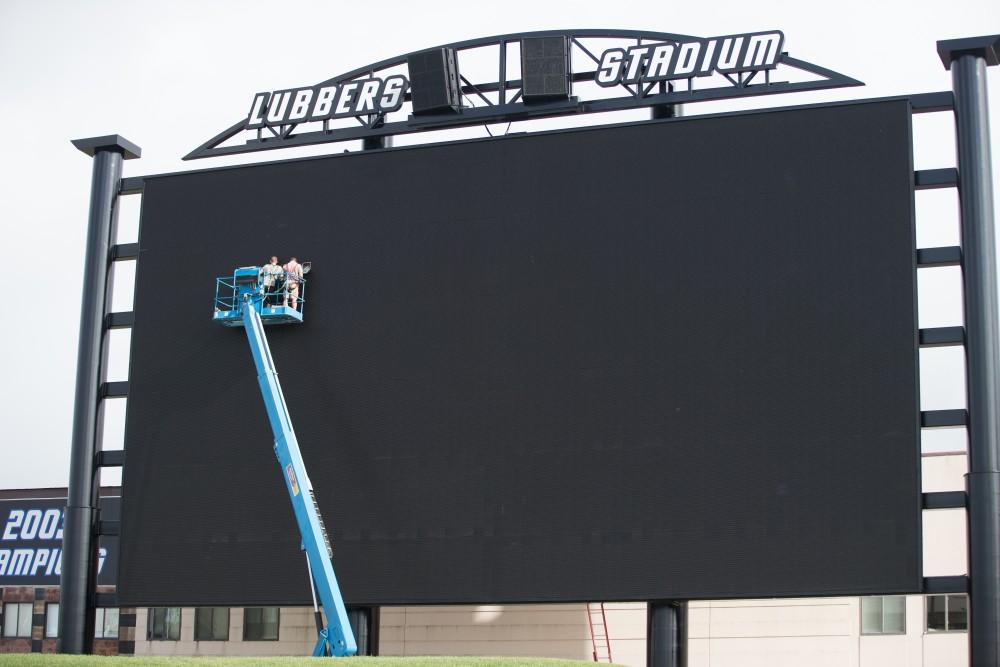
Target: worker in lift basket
<point>271,275</point>
<point>293,274</point>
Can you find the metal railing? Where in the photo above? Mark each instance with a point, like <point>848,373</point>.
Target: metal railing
<point>282,292</point>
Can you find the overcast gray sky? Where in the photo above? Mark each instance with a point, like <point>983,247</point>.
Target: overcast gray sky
<point>169,75</point>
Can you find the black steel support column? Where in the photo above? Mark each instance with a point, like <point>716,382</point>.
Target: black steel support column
<point>79,565</point>
<point>372,143</point>
<point>665,110</point>
<point>967,59</point>
<point>666,633</point>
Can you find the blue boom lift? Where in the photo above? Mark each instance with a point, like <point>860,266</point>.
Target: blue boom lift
<point>243,300</point>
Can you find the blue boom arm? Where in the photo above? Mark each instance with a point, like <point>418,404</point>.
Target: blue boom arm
<point>336,638</point>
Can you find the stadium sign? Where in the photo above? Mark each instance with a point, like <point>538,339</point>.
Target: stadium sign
<point>665,61</point>
<point>697,57</point>
<point>594,71</point>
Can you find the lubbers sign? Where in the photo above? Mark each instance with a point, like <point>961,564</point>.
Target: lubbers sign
<point>324,102</point>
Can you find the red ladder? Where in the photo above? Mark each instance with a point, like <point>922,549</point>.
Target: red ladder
<point>599,638</point>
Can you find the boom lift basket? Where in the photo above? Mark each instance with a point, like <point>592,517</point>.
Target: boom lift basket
<point>246,286</point>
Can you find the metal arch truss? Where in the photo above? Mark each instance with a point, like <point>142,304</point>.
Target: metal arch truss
<point>499,100</point>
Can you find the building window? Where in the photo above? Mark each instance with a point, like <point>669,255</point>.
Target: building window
<point>51,620</point>
<point>260,624</point>
<point>17,619</point>
<point>211,624</point>
<point>947,613</point>
<point>106,624</point>
<point>883,615</point>
<point>164,624</point>
<point>360,620</point>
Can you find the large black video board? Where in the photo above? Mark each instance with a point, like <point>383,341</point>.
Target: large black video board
<point>660,360</point>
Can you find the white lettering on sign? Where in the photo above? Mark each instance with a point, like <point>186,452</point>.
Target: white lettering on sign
<point>36,562</point>
<point>51,528</point>
<point>696,57</point>
<point>33,524</point>
<point>326,101</point>
<point>32,537</point>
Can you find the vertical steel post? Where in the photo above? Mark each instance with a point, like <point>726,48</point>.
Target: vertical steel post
<point>79,565</point>
<point>658,111</point>
<point>967,59</point>
<point>374,143</point>
<point>666,633</point>
<point>664,111</point>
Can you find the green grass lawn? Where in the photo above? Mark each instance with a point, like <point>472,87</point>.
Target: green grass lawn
<point>39,660</point>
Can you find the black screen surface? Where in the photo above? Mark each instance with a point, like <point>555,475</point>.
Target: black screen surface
<point>662,360</point>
